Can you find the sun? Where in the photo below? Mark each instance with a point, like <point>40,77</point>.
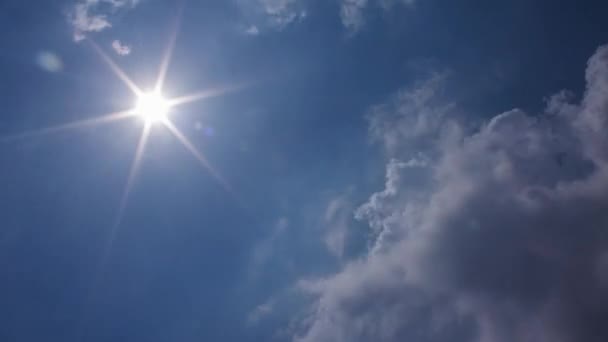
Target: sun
<point>152,107</point>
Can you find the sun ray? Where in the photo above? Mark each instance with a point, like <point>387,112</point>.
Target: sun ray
<point>139,152</point>
<point>164,66</point>
<point>201,95</point>
<point>168,53</point>
<point>146,107</point>
<point>116,69</point>
<point>109,243</point>
<point>141,146</point>
<point>104,119</point>
<point>199,156</point>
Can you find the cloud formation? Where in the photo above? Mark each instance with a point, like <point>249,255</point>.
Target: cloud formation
<point>352,11</point>
<point>494,234</point>
<point>120,48</point>
<point>278,14</point>
<point>92,15</point>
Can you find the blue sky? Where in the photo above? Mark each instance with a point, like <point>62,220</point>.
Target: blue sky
<point>378,170</point>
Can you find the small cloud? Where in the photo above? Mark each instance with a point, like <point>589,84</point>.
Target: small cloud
<point>271,14</point>
<point>83,21</point>
<point>120,48</point>
<point>260,312</point>
<point>351,13</point>
<point>252,30</point>
<point>283,12</point>
<point>92,15</point>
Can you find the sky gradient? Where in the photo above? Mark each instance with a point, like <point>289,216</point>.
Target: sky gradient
<point>345,171</point>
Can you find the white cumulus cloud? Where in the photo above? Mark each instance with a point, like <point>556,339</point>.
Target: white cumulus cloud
<point>492,235</point>
<point>121,48</point>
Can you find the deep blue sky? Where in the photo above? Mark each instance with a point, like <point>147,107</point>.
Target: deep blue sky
<point>191,261</point>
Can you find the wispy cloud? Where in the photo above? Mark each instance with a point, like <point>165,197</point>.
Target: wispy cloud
<point>278,14</point>
<point>410,119</point>
<point>337,219</point>
<point>93,15</point>
<point>283,12</point>
<point>271,14</point>
<point>260,312</point>
<point>490,235</point>
<point>265,249</point>
<point>252,30</point>
<point>120,48</point>
<point>352,12</point>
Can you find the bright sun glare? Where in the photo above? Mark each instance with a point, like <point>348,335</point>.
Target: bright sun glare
<point>152,107</point>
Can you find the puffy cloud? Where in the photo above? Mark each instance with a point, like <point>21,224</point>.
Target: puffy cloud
<point>491,236</point>
<point>379,211</point>
<point>120,48</point>
<point>352,11</point>
<point>92,15</point>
